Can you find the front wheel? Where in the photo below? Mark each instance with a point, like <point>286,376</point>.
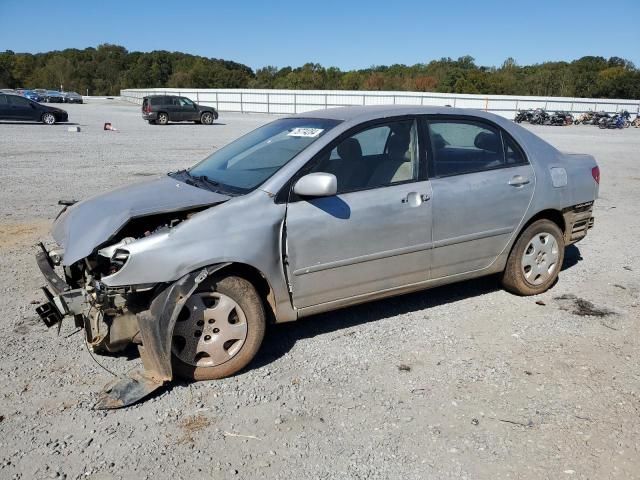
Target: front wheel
<point>535,260</point>
<point>206,118</point>
<point>48,118</point>
<point>219,330</point>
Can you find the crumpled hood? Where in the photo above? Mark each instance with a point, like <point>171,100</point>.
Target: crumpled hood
<point>88,224</point>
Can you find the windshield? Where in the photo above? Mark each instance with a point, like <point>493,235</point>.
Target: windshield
<point>247,162</point>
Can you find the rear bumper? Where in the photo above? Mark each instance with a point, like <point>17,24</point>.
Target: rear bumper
<point>150,116</point>
<point>578,220</point>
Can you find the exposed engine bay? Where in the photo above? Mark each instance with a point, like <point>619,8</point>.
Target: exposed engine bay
<point>107,314</point>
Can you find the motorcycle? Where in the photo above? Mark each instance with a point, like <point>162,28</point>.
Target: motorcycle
<point>561,118</point>
<point>584,118</point>
<point>523,116</point>
<point>600,117</point>
<point>626,118</point>
<point>616,121</point>
<point>540,117</point>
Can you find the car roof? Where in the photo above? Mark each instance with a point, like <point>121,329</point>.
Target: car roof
<point>372,112</point>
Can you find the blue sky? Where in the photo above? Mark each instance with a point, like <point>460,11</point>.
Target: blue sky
<point>346,34</point>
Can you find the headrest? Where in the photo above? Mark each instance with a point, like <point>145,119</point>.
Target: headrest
<point>350,149</point>
<point>488,141</point>
<point>438,141</point>
<point>398,146</point>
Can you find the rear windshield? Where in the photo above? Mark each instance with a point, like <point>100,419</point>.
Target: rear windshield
<point>249,161</point>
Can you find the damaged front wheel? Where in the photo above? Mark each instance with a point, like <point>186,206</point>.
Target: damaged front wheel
<point>218,331</point>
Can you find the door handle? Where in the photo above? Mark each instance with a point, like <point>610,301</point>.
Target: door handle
<point>518,181</point>
<point>415,199</point>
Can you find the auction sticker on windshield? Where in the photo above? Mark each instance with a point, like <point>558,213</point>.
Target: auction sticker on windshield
<point>305,132</point>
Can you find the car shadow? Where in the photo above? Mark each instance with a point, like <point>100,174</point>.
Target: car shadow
<point>2,122</point>
<point>572,256</point>
<point>171,124</point>
<point>281,338</point>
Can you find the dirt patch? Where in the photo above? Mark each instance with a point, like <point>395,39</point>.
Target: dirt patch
<point>580,306</point>
<point>13,234</point>
<point>192,425</point>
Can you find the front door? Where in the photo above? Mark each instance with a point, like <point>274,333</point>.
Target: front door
<point>375,234</point>
<point>188,110</point>
<point>20,108</point>
<point>482,186</point>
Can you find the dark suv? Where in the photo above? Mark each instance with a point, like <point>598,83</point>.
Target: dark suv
<point>162,109</point>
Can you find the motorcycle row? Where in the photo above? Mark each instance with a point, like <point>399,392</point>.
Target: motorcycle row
<point>602,119</point>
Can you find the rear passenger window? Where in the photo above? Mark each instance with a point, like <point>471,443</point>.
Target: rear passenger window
<point>378,156</point>
<point>465,146</point>
<point>155,101</point>
<point>512,152</point>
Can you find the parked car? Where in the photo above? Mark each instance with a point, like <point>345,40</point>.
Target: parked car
<point>53,96</point>
<point>72,97</point>
<point>31,95</point>
<point>16,107</point>
<point>308,214</point>
<point>162,109</point>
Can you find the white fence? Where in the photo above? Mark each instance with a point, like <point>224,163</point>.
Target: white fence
<point>297,101</point>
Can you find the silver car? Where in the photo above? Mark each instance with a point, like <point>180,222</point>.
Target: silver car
<point>309,214</point>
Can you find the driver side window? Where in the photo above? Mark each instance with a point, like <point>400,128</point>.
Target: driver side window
<point>378,156</point>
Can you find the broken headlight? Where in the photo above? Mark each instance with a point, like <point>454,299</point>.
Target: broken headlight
<point>118,260</point>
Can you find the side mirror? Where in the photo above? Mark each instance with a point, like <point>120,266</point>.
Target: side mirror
<point>317,184</point>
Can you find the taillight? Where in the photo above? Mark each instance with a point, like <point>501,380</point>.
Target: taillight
<point>595,173</point>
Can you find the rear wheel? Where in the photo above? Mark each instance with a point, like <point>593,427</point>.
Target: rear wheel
<point>535,260</point>
<point>163,119</point>
<point>219,330</point>
<point>206,118</point>
<point>48,118</point>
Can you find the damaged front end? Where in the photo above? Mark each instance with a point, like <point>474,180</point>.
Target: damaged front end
<point>114,317</point>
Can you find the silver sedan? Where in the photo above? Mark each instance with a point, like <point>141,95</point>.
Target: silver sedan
<point>308,214</point>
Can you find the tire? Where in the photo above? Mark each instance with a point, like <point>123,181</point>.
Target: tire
<point>227,305</point>
<point>162,119</point>
<point>206,118</point>
<point>535,259</point>
<point>576,122</point>
<point>48,118</point>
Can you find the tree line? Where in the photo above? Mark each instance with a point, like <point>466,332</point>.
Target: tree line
<point>108,68</point>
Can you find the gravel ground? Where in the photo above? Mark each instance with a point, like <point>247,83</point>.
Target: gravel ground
<point>465,381</point>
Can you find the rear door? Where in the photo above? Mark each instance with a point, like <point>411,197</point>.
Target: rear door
<point>482,187</point>
<point>174,109</point>
<point>4,107</point>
